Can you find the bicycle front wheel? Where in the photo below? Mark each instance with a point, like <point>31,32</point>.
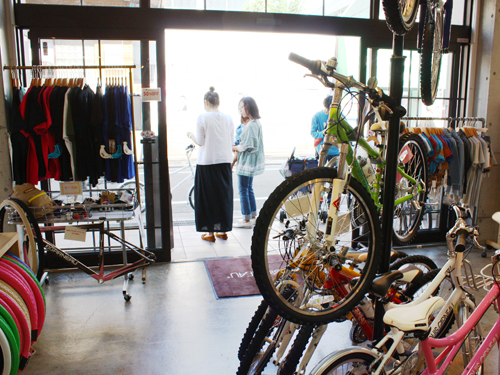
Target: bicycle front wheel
<point>430,59</point>
<point>347,361</point>
<point>408,215</point>
<point>400,15</point>
<point>291,259</point>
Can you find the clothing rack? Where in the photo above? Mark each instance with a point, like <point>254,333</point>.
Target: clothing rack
<point>35,68</point>
<point>40,68</point>
<point>473,120</point>
<point>466,123</point>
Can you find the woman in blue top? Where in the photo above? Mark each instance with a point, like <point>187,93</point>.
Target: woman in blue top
<point>250,161</point>
<point>318,125</point>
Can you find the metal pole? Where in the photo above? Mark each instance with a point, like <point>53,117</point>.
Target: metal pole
<point>396,92</point>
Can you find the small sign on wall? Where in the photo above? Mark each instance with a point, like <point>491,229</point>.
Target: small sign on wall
<point>151,95</point>
<point>71,188</point>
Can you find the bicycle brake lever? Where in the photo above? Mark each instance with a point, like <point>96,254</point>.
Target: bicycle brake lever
<point>323,81</point>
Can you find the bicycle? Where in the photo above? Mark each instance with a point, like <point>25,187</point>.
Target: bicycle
<point>433,36</point>
<point>423,308</point>
<point>277,332</point>
<point>353,218</point>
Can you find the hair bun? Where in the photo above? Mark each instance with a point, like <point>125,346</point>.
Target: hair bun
<point>212,89</point>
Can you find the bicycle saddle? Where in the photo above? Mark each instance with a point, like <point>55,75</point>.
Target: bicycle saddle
<point>380,285</point>
<point>414,317</point>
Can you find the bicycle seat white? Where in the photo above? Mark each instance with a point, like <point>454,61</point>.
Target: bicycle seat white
<point>415,317</point>
<point>496,217</point>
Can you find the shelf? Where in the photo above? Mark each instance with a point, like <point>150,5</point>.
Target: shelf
<point>9,242</point>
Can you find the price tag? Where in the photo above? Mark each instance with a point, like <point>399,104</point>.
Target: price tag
<point>151,95</point>
<point>75,234</point>
<point>71,188</point>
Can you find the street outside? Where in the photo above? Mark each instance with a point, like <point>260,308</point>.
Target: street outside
<point>264,185</point>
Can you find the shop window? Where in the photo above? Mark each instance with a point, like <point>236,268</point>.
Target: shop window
<point>457,15</point>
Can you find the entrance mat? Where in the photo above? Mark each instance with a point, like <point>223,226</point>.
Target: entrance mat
<point>232,277</point>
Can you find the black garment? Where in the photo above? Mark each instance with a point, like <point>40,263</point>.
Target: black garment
<point>96,123</point>
<point>19,142</point>
<point>56,102</point>
<point>467,158</point>
<point>213,194</point>
<point>35,116</point>
<point>85,146</point>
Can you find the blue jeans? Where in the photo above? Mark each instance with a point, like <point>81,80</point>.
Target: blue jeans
<point>247,197</point>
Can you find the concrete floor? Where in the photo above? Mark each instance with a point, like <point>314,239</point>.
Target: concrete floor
<point>173,325</point>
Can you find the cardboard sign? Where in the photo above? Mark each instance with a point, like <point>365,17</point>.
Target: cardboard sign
<point>71,188</point>
<point>75,234</point>
<point>151,95</point>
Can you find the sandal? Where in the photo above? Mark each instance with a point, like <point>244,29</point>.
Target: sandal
<point>222,236</point>
<point>207,237</point>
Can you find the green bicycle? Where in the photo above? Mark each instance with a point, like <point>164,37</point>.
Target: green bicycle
<point>287,254</point>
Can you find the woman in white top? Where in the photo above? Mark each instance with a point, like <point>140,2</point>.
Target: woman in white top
<point>213,186</point>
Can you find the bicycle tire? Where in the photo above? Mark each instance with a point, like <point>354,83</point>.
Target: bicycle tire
<point>255,359</point>
<point>444,290</point>
<point>269,232</point>
<point>191,197</point>
<point>345,360</point>
<point>413,160</point>
<point>473,339</point>
<point>400,15</point>
<point>292,359</point>
<point>430,58</point>
<point>36,257</point>
<point>419,260</point>
<point>252,327</point>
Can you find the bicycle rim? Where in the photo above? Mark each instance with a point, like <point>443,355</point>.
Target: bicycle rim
<point>286,259</point>
<point>408,215</point>
<point>430,60</point>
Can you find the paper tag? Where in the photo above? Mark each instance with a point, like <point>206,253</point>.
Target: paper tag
<point>71,188</point>
<point>151,95</point>
<point>75,234</point>
<point>126,197</point>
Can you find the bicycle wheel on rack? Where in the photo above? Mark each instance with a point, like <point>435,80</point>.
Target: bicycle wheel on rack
<point>252,327</point>
<point>430,59</point>
<point>408,215</point>
<point>292,359</point>
<point>286,258</point>
<point>346,361</point>
<point>33,248</point>
<point>263,344</point>
<point>400,15</point>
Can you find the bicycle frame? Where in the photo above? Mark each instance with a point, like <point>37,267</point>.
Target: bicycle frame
<point>146,257</point>
<point>453,342</point>
<point>342,129</point>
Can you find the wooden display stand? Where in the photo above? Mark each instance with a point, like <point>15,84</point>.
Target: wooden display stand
<point>9,243</point>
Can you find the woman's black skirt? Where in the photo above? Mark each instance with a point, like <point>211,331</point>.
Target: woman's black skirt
<point>213,196</point>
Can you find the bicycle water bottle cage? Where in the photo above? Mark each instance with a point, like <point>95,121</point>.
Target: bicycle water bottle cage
<point>56,153</point>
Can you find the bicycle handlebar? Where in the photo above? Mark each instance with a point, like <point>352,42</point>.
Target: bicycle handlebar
<point>321,68</point>
<point>461,239</point>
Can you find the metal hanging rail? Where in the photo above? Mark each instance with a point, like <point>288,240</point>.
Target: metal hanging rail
<point>449,119</point>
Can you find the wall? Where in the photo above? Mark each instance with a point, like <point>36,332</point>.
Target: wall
<point>486,94</point>
<point>5,165</point>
